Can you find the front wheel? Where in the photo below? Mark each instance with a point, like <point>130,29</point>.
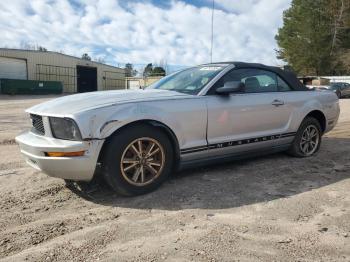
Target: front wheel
<point>137,160</point>
<point>308,138</point>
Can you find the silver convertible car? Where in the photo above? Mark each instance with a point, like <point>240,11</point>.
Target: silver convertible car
<point>136,138</point>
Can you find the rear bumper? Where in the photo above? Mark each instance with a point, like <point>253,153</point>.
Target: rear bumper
<point>82,168</point>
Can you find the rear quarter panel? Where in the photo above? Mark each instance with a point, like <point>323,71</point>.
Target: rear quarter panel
<point>304,102</point>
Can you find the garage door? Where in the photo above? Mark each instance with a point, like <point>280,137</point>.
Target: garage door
<point>13,68</point>
<point>134,84</point>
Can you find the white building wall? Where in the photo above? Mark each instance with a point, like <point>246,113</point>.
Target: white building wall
<point>345,79</point>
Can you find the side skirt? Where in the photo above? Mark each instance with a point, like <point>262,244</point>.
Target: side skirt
<point>232,157</point>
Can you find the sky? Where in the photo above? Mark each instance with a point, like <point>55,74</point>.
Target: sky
<point>141,32</point>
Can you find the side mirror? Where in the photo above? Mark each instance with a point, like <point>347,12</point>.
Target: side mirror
<point>230,87</point>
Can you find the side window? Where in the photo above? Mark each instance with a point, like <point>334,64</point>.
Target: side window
<point>346,86</point>
<point>258,81</point>
<point>233,75</point>
<point>254,80</point>
<point>282,85</point>
<point>335,86</point>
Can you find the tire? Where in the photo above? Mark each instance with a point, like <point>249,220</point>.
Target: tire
<point>301,139</point>
<point>126,171</point>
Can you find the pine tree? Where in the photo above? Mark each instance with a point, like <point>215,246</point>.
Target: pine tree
<point>315,36</point>
<point>148,70</point>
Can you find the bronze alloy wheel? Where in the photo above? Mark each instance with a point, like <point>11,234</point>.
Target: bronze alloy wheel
<point>309,140</point>
<point>142,161</point>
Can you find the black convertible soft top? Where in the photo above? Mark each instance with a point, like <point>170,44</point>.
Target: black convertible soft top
<point>287,76</point>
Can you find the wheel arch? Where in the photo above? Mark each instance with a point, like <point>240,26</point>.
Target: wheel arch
<point>320,117</point>
<point>154,123</point>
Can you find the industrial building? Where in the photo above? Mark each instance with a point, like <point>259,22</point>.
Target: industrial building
<point>76,75</point>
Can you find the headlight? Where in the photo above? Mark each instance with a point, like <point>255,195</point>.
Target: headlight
<point>64,128</point>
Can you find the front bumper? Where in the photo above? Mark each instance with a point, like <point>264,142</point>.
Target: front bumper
<point>81,168</point>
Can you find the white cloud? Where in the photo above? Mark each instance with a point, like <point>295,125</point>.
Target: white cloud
<point>142,32</point>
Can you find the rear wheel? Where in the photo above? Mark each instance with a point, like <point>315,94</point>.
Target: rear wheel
<point>137,160</point>
<point>308,138</point>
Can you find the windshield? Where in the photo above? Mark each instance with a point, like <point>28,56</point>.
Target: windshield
<point>189,81</point>
<point>334,86</point>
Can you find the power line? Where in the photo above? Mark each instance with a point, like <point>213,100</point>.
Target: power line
<point>212,32</point>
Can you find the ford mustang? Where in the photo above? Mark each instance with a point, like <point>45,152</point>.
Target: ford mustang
<point>136,138</point>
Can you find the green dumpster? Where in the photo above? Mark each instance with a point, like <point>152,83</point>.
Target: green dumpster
<point>30,87</point>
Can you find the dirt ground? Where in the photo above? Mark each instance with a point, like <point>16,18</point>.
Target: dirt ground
<point>272,208</point>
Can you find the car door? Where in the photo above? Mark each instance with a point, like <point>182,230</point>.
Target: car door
<point>252,119</point>
<point>346,89</point>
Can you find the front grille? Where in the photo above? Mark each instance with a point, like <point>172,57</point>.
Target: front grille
<point>38,126</point>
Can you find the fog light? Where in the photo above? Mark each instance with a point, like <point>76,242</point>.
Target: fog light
<point>64,154</point>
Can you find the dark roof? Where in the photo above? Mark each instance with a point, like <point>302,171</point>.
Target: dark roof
<point>287,76</point>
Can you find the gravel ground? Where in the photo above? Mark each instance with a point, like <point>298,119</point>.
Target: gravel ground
<point>272,208</point>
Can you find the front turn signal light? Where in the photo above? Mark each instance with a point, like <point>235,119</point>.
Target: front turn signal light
<point>64,154</point>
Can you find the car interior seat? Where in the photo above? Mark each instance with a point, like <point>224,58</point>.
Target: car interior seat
<point>252,85</point>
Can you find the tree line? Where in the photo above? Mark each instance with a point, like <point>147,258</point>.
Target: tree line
<point>315,37</point>
<point>149,70</point>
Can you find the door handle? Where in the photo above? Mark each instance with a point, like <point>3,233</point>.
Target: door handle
<point>277,102</point>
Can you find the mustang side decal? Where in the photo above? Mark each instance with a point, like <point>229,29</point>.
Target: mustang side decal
<point>236,143</point>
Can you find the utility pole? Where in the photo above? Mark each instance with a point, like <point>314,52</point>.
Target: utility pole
<point>212,32</point>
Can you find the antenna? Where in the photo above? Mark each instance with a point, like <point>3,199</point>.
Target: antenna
<point>212,32</point>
